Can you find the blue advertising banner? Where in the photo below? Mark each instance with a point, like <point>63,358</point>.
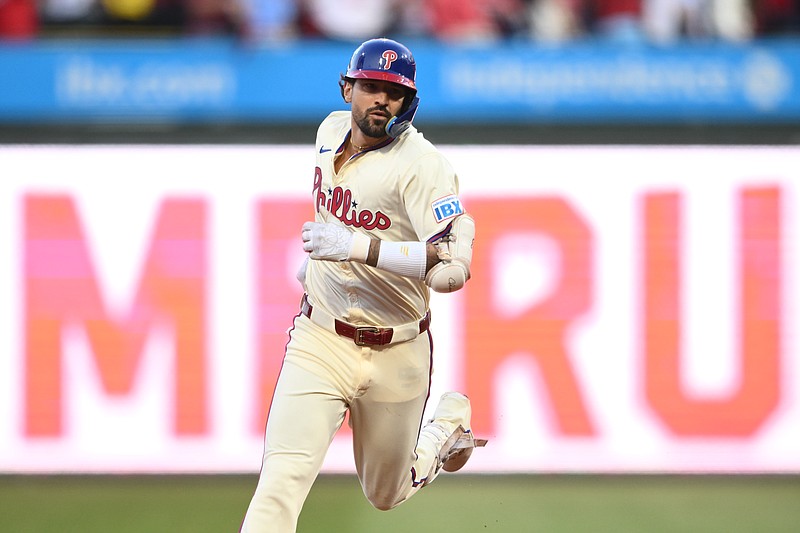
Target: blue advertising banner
<point>201,81</point>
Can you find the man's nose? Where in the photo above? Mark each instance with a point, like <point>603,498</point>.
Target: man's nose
<point>382,97</point>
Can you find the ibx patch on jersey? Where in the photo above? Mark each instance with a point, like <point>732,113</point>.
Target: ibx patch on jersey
<point>447,207</point>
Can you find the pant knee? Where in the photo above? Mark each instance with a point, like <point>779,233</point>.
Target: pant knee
<point>384,504</point>
<point>386,499</point>
<point>386,488</point>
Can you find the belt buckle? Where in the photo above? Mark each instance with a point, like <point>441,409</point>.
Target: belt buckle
<point>358,336</point>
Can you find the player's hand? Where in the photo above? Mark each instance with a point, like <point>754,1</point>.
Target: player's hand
<point>334,242</point>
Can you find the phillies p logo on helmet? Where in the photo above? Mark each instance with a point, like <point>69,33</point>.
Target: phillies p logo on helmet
<point>389,57</point>
<point>383,59</point>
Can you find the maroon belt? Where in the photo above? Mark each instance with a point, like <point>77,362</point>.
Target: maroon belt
<point>364,335</point>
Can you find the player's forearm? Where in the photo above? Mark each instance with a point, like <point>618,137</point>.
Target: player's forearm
<point>443,266</point>
<point>333,242</point>
<point>430,256</point>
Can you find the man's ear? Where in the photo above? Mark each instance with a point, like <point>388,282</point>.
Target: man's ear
<point>347,92</point>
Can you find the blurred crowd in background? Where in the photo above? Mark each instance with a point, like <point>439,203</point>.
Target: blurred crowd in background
<point>547,21</point>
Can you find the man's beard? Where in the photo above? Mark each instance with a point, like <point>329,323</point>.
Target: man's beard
<point>368,127</point>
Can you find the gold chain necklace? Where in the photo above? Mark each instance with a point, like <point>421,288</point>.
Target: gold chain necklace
<point>360,148</point>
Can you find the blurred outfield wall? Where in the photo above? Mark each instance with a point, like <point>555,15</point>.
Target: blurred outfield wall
<point>633,309</point>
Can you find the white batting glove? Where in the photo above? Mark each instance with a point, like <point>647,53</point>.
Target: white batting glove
<point>334,242</point>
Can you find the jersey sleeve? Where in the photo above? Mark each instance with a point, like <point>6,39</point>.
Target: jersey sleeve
<point>431,196</point>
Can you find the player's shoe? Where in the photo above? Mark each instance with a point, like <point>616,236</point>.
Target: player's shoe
<point>453,415</point>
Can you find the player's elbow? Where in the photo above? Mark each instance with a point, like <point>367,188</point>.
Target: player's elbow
<point>448,276</point>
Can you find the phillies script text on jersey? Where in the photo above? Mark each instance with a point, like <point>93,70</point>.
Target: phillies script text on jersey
<point>339,202</point>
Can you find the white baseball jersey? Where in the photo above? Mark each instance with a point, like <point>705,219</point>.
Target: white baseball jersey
<point>400,190</point>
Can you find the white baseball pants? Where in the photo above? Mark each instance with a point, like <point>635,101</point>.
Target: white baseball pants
<point>385,389</point>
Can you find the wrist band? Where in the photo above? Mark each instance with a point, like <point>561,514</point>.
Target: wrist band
<point>407,259</point>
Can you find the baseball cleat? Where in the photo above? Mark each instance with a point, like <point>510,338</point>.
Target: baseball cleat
<point>457,449</point>
<point>454,410</point>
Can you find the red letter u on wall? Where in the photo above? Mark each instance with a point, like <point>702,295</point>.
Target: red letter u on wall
<point>759,319</point>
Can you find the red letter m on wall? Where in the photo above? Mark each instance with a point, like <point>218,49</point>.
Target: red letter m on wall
<point>61,289</point>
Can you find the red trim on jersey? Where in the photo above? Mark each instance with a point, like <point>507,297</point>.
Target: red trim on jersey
<point>441,234</point>
<point>385,142</point>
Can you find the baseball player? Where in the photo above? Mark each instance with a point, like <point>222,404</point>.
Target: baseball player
<point>389,226</point>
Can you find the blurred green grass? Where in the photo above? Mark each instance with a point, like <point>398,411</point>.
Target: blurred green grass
<point>456,502</point>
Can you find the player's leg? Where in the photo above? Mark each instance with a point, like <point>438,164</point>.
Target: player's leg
<point>386,421</point>
<point>394,457</point>
<point>307,409</point>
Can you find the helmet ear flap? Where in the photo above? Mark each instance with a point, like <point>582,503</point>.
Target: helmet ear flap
<point>401,122</point>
